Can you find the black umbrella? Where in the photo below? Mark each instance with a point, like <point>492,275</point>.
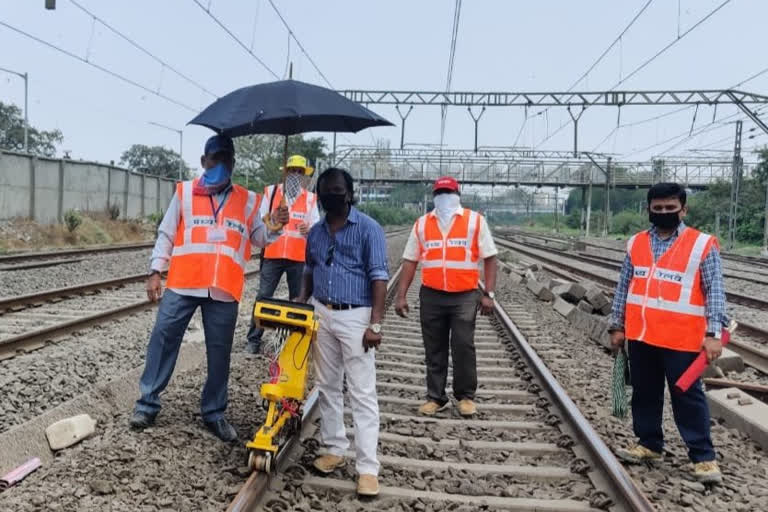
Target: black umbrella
<point>286,108</point>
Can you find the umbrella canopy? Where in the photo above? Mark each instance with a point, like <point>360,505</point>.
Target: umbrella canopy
<point>286,108</point>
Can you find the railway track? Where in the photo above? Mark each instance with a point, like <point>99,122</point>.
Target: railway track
<point>49,258</point>
<point>762,263</point>
<point>529,447</point>
<point>28,322</point>
<point>751,355</point>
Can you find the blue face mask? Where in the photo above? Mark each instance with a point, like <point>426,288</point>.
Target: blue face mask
<point>215,179</point>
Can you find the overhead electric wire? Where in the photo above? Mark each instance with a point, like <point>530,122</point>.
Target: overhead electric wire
<point>594,64</point>
<point>298,43</point>
<point>235,38</point>
<point>671,44</point>
<point>655,56</point>
<point>451,62</point>
<point>610,46</point>
<point>142,49</point>
<point>292,35</point>
<point>722,123</point>
<point>99,67</point>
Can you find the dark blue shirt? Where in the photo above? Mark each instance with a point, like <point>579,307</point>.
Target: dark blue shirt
<point>343,275</point>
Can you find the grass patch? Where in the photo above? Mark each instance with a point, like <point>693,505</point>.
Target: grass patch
<point>95,229</point>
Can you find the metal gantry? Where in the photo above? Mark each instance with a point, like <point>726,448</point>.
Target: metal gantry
<point>555,99</point>
<point>568,99</point>
<point>527,167</point>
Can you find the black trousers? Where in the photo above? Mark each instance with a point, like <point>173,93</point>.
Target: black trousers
<point>448,322</point>
<point>651,366</point>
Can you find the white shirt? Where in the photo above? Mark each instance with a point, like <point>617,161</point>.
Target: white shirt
<point>487,247</point>
<point>166,233</point>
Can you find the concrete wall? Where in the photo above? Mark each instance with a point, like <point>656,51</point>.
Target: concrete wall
<point>44,188</point>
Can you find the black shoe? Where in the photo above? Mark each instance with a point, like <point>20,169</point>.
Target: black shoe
<point>141,420</point>
<point>253,347</point>
<point>222,429</point>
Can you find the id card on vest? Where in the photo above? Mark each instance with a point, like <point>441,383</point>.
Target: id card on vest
<point>217,234</point>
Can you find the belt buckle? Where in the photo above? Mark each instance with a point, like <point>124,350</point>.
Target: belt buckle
<point>329,306</point>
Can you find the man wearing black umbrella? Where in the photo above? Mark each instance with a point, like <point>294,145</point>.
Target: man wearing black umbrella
<point>204,241</point>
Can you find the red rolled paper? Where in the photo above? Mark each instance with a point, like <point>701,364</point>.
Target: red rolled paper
<point>698,366</point>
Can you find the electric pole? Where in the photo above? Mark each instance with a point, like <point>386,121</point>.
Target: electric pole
<point>25,77</point>
<point>735,184</point>
<point>181,146</point>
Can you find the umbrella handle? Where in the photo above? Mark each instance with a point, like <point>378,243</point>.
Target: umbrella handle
<point>274,226</point>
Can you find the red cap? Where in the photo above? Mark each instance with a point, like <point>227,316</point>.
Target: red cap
<point>446,182</point>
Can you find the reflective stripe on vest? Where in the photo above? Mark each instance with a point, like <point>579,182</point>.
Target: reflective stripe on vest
<point>443,267</point>
<point>291,245</point>
<point>665,301</point>
<point>197,262</point>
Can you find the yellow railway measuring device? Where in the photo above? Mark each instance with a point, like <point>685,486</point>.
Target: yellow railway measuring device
<point>296,327</point>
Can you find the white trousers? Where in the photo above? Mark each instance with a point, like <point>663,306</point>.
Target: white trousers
<point>339,351</point>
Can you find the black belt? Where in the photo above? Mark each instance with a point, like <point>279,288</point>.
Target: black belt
<point>340,307</point>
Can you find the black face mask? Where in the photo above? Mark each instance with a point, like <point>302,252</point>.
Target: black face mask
<point>335,204</point>
<point>665,220</point>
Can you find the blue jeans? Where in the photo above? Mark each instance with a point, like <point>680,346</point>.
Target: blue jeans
<point>271,273</point>
<point>173,316</point>
<point>649,366</point>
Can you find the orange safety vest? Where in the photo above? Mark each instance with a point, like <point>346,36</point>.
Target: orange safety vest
<point>666,304</point>
<point>450,263</point>
<point>291,245</point>
<point>197,262</point>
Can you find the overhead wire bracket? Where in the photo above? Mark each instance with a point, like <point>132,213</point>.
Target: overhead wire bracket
<point>575,119</point>
<point>403,118</point>
<point>476,120</point>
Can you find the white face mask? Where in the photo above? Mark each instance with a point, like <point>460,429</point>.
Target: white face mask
<point>445,206</point>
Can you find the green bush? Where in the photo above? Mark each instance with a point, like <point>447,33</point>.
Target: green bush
<point>156,218</point>
<point>628,222</point>
<point>389,215</point>
<point>72,219</point>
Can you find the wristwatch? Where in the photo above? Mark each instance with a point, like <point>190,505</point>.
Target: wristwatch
<point>375,328</point>
<point>491,295</point>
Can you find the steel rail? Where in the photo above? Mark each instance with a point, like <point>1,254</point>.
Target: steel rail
<point>624,487</point>
<point>39,264</point>
<point>750,260</point>
<point>26,256</point>
<point>34,298</point>
<point>736,298</point>
<point>32,340</point>
<point>752,356</point>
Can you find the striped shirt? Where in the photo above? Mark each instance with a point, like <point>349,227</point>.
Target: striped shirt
<point>711,282</point>
<point>344,265</point>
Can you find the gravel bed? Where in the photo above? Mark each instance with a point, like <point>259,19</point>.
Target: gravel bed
<point>176,465</point>
<point>42,379</point>
<point>470,455</point>
<point>482,414</point>
<point>456,481</point>
<point>751,315</point>
<point>95,267</point>
<point>586,376</point>
<point>758,290</point>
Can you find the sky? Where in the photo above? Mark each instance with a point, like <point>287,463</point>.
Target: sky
<point>502,45</point>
